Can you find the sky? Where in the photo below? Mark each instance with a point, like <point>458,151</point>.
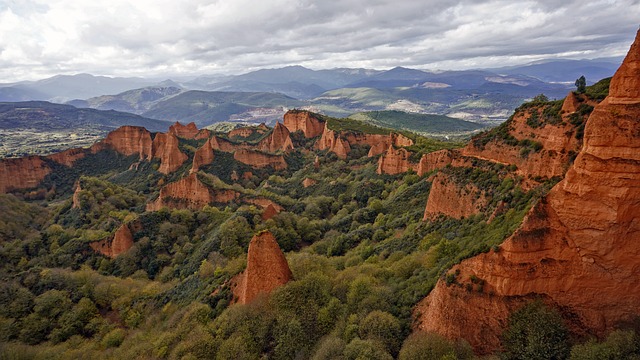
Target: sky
<point>169,38</point>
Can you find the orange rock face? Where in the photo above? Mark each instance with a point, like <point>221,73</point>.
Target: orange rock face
<point>221,144</point>
<point>434,161</point>
<point>309,182</point>
<point>203,156</point>
<point>304,121</point>
<point>22,173</point>
<point>267,269</point>
<point>128,140</point>
<point>577,248</point>
<point>269,212</point>
<point>279,140</point>
<point>165,147</point>
<point>188,131</point>
<point>394,161</point>
<point>452,199</point>
<point>120,243</point>
<point>68,157</point>
<point>203,134</point>
<point>334,143</point>
<point>259,160</point>
<point>189,193</point>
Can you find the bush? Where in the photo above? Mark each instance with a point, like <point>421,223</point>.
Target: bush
<point>535,332</point>
<point>114,338</point>
<point>619,345</point>
<point>423,345</point>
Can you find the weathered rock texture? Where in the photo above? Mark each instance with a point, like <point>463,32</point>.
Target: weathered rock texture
<point>304,121</point>
<point>128,140</point>
<point>191,193</point>
<point>577,249</point>
<point>165,147</point>
<point>395,161</point>
<point>68,157</point>
<point>203,156</point>
<point>115,245</point>
<point>267,269</point>
<point>450,198</point>
<point>309,182</point>
<point>435,161</point>
<point>22,173</point>
<point>188,131</point>
<point>278,140</point>
<point>259,160</point>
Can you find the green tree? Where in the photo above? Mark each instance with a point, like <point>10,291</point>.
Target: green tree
<point>536,332</point>
<point>581,85</point>
<point>620,345</point>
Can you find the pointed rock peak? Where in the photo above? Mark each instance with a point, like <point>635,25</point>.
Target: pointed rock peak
<point>188,131</point>
<point>570,104</point>
<point>267,268</point>
<point>625,85</point>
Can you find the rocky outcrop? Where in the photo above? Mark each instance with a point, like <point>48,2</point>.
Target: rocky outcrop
<point>190,193</point>
<point>435,161</point>
<point>203,156</point>
<point>309,182</point>
<point>304,121</point>
<point>218,143</point>
<point>259,160</point>
<point>269,212</point>
<point>68,157</point>
<point>450,198</point>
<point>264,203</point>
<point>570,104</point>
<point>128,140</point>
<point>394,161</point>
<point>75,199</point>
<point>203,134</point>
<point>188,131</point>
<point>22,173</point>
<point>278,140</point>
<point>115,245</point>
<point>576,249</point>
<point>165,147</point>
<point>334,143</point>
<point>267,269</point>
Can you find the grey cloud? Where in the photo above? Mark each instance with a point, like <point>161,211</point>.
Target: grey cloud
<point>193,36</point>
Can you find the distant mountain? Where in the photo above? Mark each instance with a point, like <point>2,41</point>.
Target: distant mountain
<point>209,107</point>
<point>295,81</point>
<point>134,101</point>
<point>62,88</point>
<point>46,116</point>
<point>12,94</point>
<point>566,70</point>
<point>425,124</point>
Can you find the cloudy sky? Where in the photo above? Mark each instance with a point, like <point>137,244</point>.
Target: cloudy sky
<point>40,38</point>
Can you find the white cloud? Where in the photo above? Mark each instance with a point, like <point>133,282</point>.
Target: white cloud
<point>41,38</point>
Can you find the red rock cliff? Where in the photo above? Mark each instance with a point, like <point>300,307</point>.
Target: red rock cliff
<point>165,147</point>
<point>267,269</point>
<point>203,156</point>
<point>188,131</point>
<point>304,121</point>
<point>259,160</point>
<point>278,140</point>
<point>120,243</point>
<point>453,199</point>
<point>394,161</point>
<point>68,157</point>
<point>22,173</point>
<point>191,193</point>
<point>128,140</point>
<point>577,249</point>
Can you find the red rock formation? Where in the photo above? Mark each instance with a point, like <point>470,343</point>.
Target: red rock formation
<point>304,121</point>
<point>394,161</point>
<point>188,131</point>
<point>309,182</point>
<point>218,143</point>
<point>267,269</point>
<point>165,147</point>
<point>128,140</point>
<point>570,104</point>
<point>316,163</point>
<point>203,156</point>
<point>190,193</point>
<point>264,203</point>
<point>334,143</point>
<point>22,173</point>
<point>434,161</point>
<point>203,134</point>
<point>558,142</point>
<point>68,157</point>
<point>259,159</point>
<point>577,248</point>
<point>400,140</point>
<point>76,196</point>
<point>269,212</point>
<point>278,140</point>
<point>115,245</point>
<point>452,199</point>
<point>243,132</point>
